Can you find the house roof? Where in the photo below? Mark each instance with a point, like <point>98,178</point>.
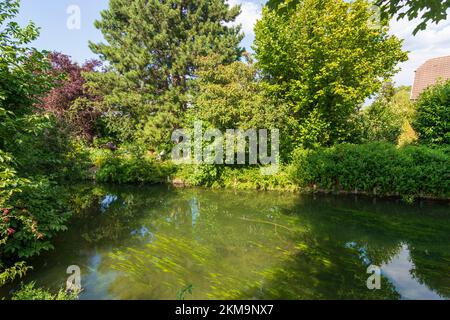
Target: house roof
<point>430,73</point>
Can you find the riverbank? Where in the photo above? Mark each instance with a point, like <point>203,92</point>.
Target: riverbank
<point>376,169</point>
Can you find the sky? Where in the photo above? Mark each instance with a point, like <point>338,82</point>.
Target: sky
<point>52,17</point>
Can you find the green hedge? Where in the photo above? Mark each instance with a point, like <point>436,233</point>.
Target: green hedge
<point>378,168</point>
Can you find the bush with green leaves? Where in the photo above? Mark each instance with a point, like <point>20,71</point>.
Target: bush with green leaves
<point>33,150</point>
<point>234,177</point>
<point>251,178</point>
<point>32,217</point>
<point>41,147</point>
<point>232,96</point>
<point>378,168</point>
<point>207,175</point>
<point>18,270</point>
<point>388,118</point>
<point>30,292</point>
<point>126,167</point>
<point>380,123</point>
<point>432,121</point>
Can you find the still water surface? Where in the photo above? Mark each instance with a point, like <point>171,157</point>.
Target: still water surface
<point>153,242</point>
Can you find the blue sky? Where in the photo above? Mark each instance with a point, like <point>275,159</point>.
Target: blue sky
<point>51,16</point>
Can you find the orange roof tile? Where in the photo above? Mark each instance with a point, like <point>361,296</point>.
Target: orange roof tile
<point>430,73</point>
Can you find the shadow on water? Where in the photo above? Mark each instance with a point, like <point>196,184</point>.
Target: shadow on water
<point>151,242</point>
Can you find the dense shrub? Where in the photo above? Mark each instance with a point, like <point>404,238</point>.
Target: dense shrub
<point>31,147</point>
<point>432,121</point>
<point>42,147</point>
<point>380,123</point>
<point>207,175</point>
<point>251,178</point>
<point>375,168</point>
<point>388,118</point>
<point>34,211</point>
<point>236,177</point>
<point>126,167</point>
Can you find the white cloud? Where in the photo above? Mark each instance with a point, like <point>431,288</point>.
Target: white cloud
<point>250,12</point>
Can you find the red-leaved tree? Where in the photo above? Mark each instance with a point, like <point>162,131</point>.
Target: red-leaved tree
<point>70,101</point>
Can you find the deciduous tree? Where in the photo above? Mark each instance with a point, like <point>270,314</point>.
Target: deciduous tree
<point>70,101</point>
<point>324,58</point>
<point>432,121</point>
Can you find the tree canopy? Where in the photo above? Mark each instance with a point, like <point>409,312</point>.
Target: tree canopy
<point>324,58</point>
<point>432,120</point>
<point>154,48</point>
<point>426,10</point>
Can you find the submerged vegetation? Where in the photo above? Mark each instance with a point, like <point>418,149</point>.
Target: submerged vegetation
<point>166,65</point>
<point>154,242</point>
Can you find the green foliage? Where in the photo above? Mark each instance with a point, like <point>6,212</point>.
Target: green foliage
<point>31,148</point>
<point>324,58</point>
<point>380,123</point>
<point>129,167</point>
<point>231,96</point>
<point>252,179</point>
<point>208,175</point>
<point>153,49</point>
<point>18,270</point>
<point>30,292</point>
<point>429,11</point>
<point>241,178</point>
<point>122,105</point>
<point>42,147</point>
<point>389,117</point>
<point>23,75</point>
<point>378,168</point>
<point>432,121</point>
<point>34,215</point>
<point>312,132</point>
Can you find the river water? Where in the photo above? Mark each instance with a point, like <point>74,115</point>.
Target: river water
<point>163,243</point>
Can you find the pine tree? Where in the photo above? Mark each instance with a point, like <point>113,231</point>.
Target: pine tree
<point>154,47</point>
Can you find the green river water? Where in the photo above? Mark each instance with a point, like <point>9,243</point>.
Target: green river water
<point>153,242</point>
